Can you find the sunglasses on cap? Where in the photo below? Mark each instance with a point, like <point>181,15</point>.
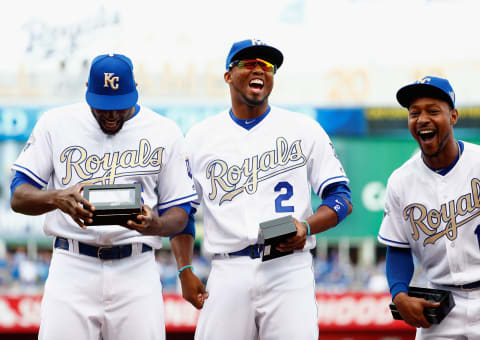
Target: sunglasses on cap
<point>250,64</point>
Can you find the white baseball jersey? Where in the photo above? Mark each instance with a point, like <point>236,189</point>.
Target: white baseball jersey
<point>245,177</point>
<point>67,146</point>
<point>437,216</point>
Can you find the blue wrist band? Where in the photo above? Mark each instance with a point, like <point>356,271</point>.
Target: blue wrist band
<point>184,267</point>
<point>308,227</point>
<point>337,204</point>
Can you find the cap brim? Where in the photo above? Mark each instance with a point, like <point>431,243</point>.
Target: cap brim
<point>407,94</point>
<point>118,102</point>
<point>269,53</point>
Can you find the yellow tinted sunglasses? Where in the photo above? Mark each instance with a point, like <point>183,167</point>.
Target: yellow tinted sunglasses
<point>250,64</point>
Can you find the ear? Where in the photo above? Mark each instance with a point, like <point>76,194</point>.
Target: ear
<point>453,117</point>
<point>228,77</point>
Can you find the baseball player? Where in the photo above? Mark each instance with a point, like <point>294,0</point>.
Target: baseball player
<point>250,164</point>
<point>432,211</point>
<point>103,280</point>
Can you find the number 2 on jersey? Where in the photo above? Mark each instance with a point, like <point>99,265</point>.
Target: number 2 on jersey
<point>283,197</point>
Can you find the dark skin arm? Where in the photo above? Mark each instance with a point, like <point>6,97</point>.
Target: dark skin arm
<point>411,309</point>
<point>170,223</point>
<point>192,288</point>
<point>323,219</point>
<point>30,200</point>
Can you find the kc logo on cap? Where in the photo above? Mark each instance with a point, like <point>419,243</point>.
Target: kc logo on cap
<point>111,83</point>
<point>429,86</point>
<point>254,48</point>
<point>424,80</point>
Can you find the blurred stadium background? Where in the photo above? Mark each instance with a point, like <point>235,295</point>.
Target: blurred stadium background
<point>344,61</point>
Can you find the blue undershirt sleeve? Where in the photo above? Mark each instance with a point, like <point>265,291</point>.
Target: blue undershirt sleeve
<point>338,189</point>
<point>399,269</point>
<point>20,178</point>
<point>190,227</point>
<point>336,196</point>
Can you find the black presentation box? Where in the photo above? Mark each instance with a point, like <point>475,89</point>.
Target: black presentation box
<point>274,232</point>
<point>115,204</point>
<point>433,315</point>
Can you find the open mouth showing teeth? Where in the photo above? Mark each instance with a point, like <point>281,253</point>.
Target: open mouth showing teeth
<point>110,124</point>
<point>427,134</point>
<point>256,83</point>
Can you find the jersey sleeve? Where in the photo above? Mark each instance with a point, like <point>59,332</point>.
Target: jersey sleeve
<point>324,167</point>
<point>35,160</point>
<point>175,183</point>
<point>392,230</point>
<point>189,160</point>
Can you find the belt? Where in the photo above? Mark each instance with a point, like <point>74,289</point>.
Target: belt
<point>472,285</point>
<point>103,253</point>
<point>254,251</point>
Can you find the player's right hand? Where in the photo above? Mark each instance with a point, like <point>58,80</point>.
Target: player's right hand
<point>70,201</point>
<point>411,309</point>
<point>193,289</point>
<point>296,242</point>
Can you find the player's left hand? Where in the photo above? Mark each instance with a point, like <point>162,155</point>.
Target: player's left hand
<point>296,242</point>
<point>145,222</point>
<point>193,289</point>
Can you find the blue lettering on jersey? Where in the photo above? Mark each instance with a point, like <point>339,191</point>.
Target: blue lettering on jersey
<point>76,160</point>
<point>234,179</point>
<point>429,221</point>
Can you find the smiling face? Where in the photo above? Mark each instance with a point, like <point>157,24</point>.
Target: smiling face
<point>249,88</point>
<point>430,122</point>
<point>112,121</point>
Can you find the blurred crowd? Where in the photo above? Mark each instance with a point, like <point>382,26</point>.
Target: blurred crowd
<point>22,274</point>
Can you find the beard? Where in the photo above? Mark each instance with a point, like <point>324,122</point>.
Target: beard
<point>254,101</point>
<point>112,132</point>
<point>441,147</point>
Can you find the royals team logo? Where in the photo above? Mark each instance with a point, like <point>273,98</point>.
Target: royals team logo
<point>111,81</point>
<point>105,169</point>
<point>257,42</point>
<point>429,221</point>
<point>30,141</point>
<point>233,180</point>
<point>424,80</point>
<point>189,169</point>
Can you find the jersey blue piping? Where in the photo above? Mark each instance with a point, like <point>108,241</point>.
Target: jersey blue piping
<point>446,170</point>
<point>329,179</point>
<point>243,122</point>
<point>31,173</point>
<point>20,178</point>
<point>178,199</point>
<point>386,239</point>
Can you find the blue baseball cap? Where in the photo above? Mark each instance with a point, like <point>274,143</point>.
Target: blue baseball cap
<point>432,87</point>
<point>253,48</point>
<point>111,85</point>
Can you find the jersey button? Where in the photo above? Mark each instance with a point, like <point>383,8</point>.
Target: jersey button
<point>452,244</point>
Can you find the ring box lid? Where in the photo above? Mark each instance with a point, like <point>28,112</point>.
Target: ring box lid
<point>279,227</point>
